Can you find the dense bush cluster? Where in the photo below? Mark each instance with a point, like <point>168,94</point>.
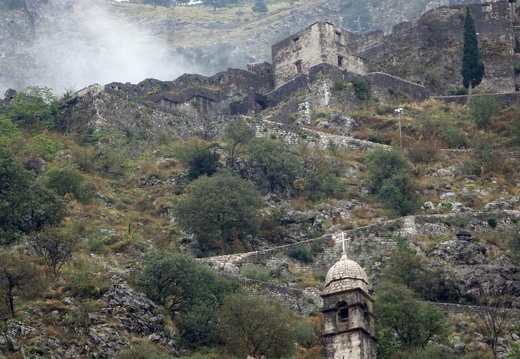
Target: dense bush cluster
<point>391,180</point>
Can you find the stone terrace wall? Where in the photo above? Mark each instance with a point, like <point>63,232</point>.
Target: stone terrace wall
<point>380,83</point>
<point>385,87</point>
<point>366,245</point>
<point>505,99</point>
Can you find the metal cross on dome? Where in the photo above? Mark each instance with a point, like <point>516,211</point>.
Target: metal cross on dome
<point>343,240</point>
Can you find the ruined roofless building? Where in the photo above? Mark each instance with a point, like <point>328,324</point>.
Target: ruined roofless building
<point>322,42</point>
<point>348,312</point>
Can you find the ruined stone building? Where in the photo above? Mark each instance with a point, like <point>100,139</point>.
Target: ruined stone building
<point>322,42</point>
<point>348,312</point>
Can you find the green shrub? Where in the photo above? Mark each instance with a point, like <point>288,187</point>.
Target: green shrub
<point>453,136</point>
<point>492,222</point>
<point>34,108</point>
<point>361,89</point>
<point>483,108</point>
<point>422,152</point>
<point>339,85</point>
<point>256,272</point>
<point>322,115</point>
<point>84,282</point>
<point>69,180</point>
<point>198,159</point>
<point>458,91</point>
<point>10,136</point>
<point>46,148</point>
<point>301,254</point>
<point>391,180</point>
<point>111,161</point>
<point>376,139</point>
<point>432,75</point>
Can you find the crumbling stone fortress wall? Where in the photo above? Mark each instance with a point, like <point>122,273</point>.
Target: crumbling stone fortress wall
<point>429,51</point>
<point>415,60</point>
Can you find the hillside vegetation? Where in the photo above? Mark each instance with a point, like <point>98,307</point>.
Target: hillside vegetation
<point>84,219</point>
<point>132,227</point>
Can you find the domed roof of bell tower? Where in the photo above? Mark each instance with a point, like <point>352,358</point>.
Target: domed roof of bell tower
<point>344,275</point>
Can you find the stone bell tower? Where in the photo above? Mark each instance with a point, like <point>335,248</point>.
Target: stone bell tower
<point>348,312</point>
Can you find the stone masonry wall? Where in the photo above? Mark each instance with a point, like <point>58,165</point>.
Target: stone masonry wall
<point>379,84</point>
<point>434,44</point>
<point>322,42</point>
<point>304,47</point>
<point>385,87</point>
<point>505,99</point>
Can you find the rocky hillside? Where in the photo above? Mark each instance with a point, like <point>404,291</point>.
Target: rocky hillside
<point>123,163</point>
<point>139,220</point>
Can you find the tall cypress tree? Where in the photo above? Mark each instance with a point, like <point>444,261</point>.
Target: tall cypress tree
<point>472,66</point>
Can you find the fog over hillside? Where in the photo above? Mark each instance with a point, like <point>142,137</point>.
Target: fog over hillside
<point>75,44</point>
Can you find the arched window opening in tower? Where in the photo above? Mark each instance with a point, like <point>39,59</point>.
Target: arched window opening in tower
<point>342,311</point>
<point>366,316</point>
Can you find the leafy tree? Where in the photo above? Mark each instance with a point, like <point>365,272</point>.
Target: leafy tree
<point>391,180</point>
<point>472,66</point>
<point>198,157</point>
<point>25,206</point>
<point>404,321</point>
<point>275,168</point>
<point>42,146</point>
<point>54,247</point>
<point>257,327</point>
<point>321,175</point>
<point>398,193</point>
<point>238,132</point>
<point>382,164</point>
<point>18,277</point>
<point>223,207</point>
<point>494,317</point>
<point>190,291</point>
<point>179,283</point>
<point>259,6</point>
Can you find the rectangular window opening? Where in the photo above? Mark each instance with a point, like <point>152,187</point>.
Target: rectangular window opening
<point>298,65</point>
<point>337,36</point>
<point>297,45</point>
<point>340,60</point>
